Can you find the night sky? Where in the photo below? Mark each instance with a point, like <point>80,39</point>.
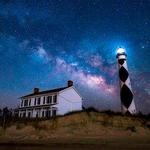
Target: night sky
<point>44,43</point>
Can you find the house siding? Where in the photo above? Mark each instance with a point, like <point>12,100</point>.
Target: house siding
<point>67,100</point>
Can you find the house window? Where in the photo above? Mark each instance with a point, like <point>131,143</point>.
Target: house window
<point>48,114</point>
<point>24,114</point>
<point>35,101</point>
<point>29,114</point>
<point>22,103</point>
<point>39,100</point>
<point>55,99</point>
<point>36,115</point>
<point>43,114</point>
<point>30,102</point>
<point>44,100</point>
<point>53,112</point>
<point>49,99</point>
<point>26,103</point>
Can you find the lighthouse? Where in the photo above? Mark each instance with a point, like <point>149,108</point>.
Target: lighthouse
<point>126,94</point>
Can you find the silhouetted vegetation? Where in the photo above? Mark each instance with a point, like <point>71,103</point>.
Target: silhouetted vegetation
<point>131,128</point>
<point>9,117</point>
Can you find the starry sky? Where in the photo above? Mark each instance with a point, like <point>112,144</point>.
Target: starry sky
<point>44,43</point>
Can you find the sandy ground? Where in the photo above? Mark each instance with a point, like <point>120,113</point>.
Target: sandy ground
<point>78,131</point>
<point>123,143</point>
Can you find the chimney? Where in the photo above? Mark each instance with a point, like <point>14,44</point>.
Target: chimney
<point>36,90</point>
<point>70,83</point>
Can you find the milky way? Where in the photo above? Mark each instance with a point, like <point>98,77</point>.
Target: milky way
<point>44,43</point>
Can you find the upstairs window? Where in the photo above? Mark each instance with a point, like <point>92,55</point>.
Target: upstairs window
<point>25,102</point>
<point>44,100</point>
<point>35,101</point>
<point>21,103</point>
<point>30,102</point>
<point>39,101</point>
<point>49,99</point>
<point>55,99</point>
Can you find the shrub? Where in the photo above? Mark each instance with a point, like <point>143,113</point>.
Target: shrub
<point>131,128</point>
<point>20,126</point>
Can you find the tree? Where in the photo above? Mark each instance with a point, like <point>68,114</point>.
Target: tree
<point>5,115</point>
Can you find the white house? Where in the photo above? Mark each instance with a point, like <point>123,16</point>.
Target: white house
<point>51,102</point>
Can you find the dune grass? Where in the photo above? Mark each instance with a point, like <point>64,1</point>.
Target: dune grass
<point>78,125</point>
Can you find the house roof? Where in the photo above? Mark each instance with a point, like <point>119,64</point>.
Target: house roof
<point>45,92</point>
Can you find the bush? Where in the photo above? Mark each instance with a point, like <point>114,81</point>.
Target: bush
<point>132,129</point>
<point>20,126</point>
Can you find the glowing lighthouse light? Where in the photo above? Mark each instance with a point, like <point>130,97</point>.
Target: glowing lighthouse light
<point>126,94</point>
<point>121,50</point>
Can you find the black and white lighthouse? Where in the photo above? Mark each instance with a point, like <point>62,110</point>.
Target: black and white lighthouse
<point>126,94</point>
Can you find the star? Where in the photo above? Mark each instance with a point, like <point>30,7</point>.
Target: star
<point>45,43</point>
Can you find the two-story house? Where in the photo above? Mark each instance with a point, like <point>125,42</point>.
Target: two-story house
<point>51,102</point>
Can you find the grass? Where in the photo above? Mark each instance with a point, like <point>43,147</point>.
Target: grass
<point>84,126</point>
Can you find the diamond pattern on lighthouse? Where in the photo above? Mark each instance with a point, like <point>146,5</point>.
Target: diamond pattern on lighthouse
<point>121,61</point>
<point>126,96</point>
<point>123,74</point>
